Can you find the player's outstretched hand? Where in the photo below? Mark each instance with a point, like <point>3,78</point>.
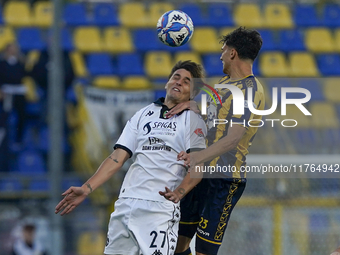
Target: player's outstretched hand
<point>170,195</point>
<point>184,156</point>
<point>73,197</point>
<point>192,105</point>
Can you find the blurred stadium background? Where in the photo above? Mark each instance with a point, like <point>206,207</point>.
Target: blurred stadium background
<point>119,65</point>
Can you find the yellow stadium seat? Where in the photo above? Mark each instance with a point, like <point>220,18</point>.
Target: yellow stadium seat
<point>226,30</point>
<point>319,40</point>
<point>187,55</point>
<point>158,64</point>
<point>87,39</point>
<point>273,64</point>
<point>337,39</point>
<point>32,58</point>
<point>6,36</point>
<point>292,112</point>
<point>332,89</point>
<point>136,82</point>
<point>133,15</point>
<point>78,64</point>
<point>205,40</point>
<point>17,14</point>
<point>31,89</point>
<point>117,40</point>
<point>156,10</point>
<point>277,16</point>
<point>107,82</point>
<point>302,64</point>
<point>91,243</point>
<point>43,14</point>
<point>324,115</point>
<point>248,15</point>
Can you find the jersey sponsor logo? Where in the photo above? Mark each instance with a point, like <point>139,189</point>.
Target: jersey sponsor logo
<point>154,140</point>
<point>199,132</point>
<point>159,125</point>
<point>147,128</point>
<point>149,113</point>
<point>203,232</point>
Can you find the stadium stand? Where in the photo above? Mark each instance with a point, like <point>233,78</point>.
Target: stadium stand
<point>305,15</point>
<point>277,16</point>
<point>42,14</point>
<point>273,64</point>
<point>114,46</point>
<point>106,82</point>
<point>133,15</point>
<point>18,14</point>
<point>320,40</point>
<point>75,15</point>
<point>88,39</point>
<point>219,15</point>
<point>105,14</point>
<point>7,35</point>
<point>117,40</point>
<point>248,15</point>
<point>158,64</point>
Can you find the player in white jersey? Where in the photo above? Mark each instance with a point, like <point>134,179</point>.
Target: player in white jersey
<point>146,216</point>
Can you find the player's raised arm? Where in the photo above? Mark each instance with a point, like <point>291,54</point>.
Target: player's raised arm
<point>75,195</point>
<point>188,183</point>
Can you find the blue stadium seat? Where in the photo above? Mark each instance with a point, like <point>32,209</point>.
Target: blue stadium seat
<point>219,15</point>
<point>75,15</point>
<point>213,65</point>
<point>31,162</point>
<point>1,18</point>
<point>100,64</point>
<point>195,13</point>
<point>42,185</point>
<point>44,141</point>
<point>10,184</point>
<point>130,64</point>
<point>71,181</point>
<point>329,64</point>
<point>313,85</point>
<point>146,40</point>
<point>269,43</point>
<point>331,15</point>
<point>160,93</point>
<point>277,83</point>
<point>291,40</point>
<point>256,68</point>
<point>305,15</point>
<point>105,14</point>
<point>306,140</point>
<point>30,39</point>
<point>66,40</point>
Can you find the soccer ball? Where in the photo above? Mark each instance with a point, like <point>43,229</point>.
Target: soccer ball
<point>175,28</point>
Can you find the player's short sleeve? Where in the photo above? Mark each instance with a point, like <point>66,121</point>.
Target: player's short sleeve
<point>128,139</point>
<point>248,115</point>
<point>196,132</point>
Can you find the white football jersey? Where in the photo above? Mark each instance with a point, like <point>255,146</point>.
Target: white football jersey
<point>155,141</point>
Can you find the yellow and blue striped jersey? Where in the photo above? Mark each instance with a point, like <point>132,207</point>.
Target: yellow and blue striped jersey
<point>249,120</point>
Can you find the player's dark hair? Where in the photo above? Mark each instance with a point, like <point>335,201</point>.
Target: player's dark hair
<point>196,70</point>
<point>247,42</point>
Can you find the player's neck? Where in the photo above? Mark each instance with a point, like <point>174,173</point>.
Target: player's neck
<point>169,103</point>
<point>240,71</point>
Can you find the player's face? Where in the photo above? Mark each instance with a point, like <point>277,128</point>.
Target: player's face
<point>179,86</point>
<point>225,58</point>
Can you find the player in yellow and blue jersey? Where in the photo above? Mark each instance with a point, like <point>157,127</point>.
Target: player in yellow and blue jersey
<point>206,209</point>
